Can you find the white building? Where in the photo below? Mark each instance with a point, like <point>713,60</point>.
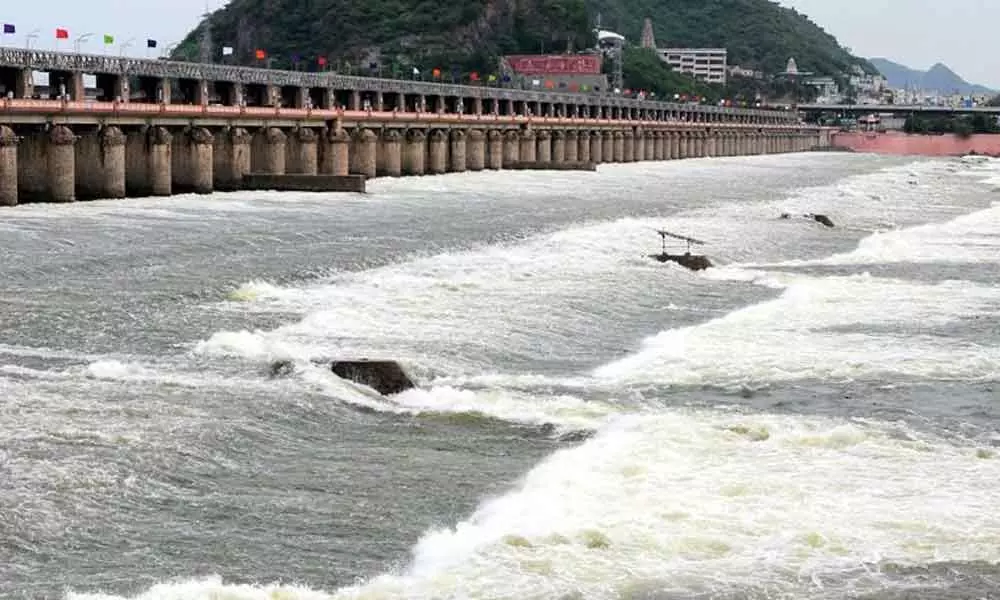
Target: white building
<point>708,64</point>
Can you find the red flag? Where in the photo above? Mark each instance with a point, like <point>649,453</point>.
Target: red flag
<point>436,72</point>
<point>62,34</point>
<point>260,54</point>
<point>322,61</point>
<point>474,76</point>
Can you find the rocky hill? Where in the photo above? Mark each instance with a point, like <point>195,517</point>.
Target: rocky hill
<point>939,78</point>
<point>398,35</point>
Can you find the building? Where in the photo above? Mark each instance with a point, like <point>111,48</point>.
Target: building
<point>708,64</point>
<point>560,72</point>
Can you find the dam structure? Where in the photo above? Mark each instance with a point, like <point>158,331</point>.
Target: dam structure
<point>156,127</point>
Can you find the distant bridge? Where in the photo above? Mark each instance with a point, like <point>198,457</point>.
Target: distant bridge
<point>900,109</point>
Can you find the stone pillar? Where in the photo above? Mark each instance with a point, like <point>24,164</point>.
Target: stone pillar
<point>364,149</point>
<point>649,145</point>
<point>511,148</point>
<point>301,152</point>
<point>61,163</point>
<point>584,146</point>
<point>528,146</point>
<point>8,166</point>
<point>437,152</point>
<point>628,146</point>
<point>571,146</point>
<point>148,158</point>
<point>558,146</point>
<point>191,161</point>
<point>231,156</point>
<point>475,148</point>
<point>675,145</point>
<point>659,143</point>
<point>711,144</point>
<point>699,144</point>
<point>494,149</point>
<point>268,154</point>
<point>416,151</point>
<point>100,164</point>
<point>458,159</point>
<point>607,146</point>
<point>639,146</point>
<point>618,146</point>
<point>544,146</point>
<point>682,144</point>
<point>392,151</point>
<point>335,152</point>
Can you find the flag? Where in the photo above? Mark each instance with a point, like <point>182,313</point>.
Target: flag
<point>321,61</point>
<point>506,78</point>
<point>260,54</point>
<point>549,84</point>
<point>536,82</point>
<point>109,39</point>
<point>584,87</point>
<point>227,50</point>
<point>151,43</point>
<point>62,34</point>
<point>473,76</point>
<point>296,57</point>
<point>9,28</point>
<point>416,71</point>
<point>436,72</point>
<point>491,77</point>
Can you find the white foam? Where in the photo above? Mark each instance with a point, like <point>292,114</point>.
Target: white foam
<point>666,503</point>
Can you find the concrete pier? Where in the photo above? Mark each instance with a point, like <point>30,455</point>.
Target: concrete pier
<point>8,166</point>
<point>529,150</point>
<point>364,148</point>
<point>607,153</point>
<point>570,143</point>
<point>334,156</point>
<point>475,148</point>
<point>392,153</point>
<point>268,151</point>
<point>301,156</point>
<point>100,164</point>
<point>617,147</point>
<point>628,146</point>
<point>437,152</point>
<point>230,157</point>
<point>457,156</point>
<point>61,160</point>
<point>192,162</point>
<point>494,149</point>
<point>416,152</point>
<point>511,149</point>
<point>543,147</point>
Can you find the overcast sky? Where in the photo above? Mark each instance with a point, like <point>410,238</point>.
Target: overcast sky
<point>917,33</point>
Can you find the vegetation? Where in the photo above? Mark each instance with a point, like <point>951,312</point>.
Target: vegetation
<point>961,125</point>
<point>392,37</point>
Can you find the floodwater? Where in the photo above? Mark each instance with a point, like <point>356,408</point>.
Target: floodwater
<point>816,417</point>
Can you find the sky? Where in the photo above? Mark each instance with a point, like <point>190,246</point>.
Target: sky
<point>917,33</point>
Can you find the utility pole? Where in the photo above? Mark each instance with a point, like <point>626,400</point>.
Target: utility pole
<point>205,43</point>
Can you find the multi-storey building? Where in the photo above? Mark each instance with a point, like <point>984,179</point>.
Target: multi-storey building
<point>708,64</point>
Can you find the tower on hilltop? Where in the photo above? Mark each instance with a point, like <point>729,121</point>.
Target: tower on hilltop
<point>648,41</point>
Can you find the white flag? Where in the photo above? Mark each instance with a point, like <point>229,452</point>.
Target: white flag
<point>416,71</point>
<point>226,50</point>
<point>536,82</point>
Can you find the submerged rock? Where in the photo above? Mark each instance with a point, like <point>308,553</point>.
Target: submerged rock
<point>282,368</point>
<point>694,262</point>
<point>386,377</point>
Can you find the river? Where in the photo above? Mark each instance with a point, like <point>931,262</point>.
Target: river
<point>815,417</point>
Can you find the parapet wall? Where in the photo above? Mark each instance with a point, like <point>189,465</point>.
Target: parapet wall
<point>918,145</point>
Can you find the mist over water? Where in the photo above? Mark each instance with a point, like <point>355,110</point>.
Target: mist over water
<point>815,417</point>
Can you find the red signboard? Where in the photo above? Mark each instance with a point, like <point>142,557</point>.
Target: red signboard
<point>558,64</point>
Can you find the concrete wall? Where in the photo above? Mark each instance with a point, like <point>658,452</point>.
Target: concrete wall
<point>918,145</point>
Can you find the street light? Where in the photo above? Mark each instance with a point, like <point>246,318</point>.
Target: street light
<point>80,40</point>
<point>126,45</point>
<point>31,36</point>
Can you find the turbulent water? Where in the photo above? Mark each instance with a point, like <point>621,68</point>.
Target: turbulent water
<point>816,417</point>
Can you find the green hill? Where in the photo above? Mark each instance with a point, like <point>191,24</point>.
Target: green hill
<point>467,35</point>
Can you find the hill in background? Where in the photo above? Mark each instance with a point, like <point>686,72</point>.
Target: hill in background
<point>468,35</point>
<point>938,78</point>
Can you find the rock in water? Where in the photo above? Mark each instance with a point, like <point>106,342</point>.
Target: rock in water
<point>823,219</point>
<point>282,368</point>
<point>386,377</point>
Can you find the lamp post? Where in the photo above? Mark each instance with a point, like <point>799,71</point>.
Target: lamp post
<point>126,45</point>
<point>31,36</point>
<point>80,40</point>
